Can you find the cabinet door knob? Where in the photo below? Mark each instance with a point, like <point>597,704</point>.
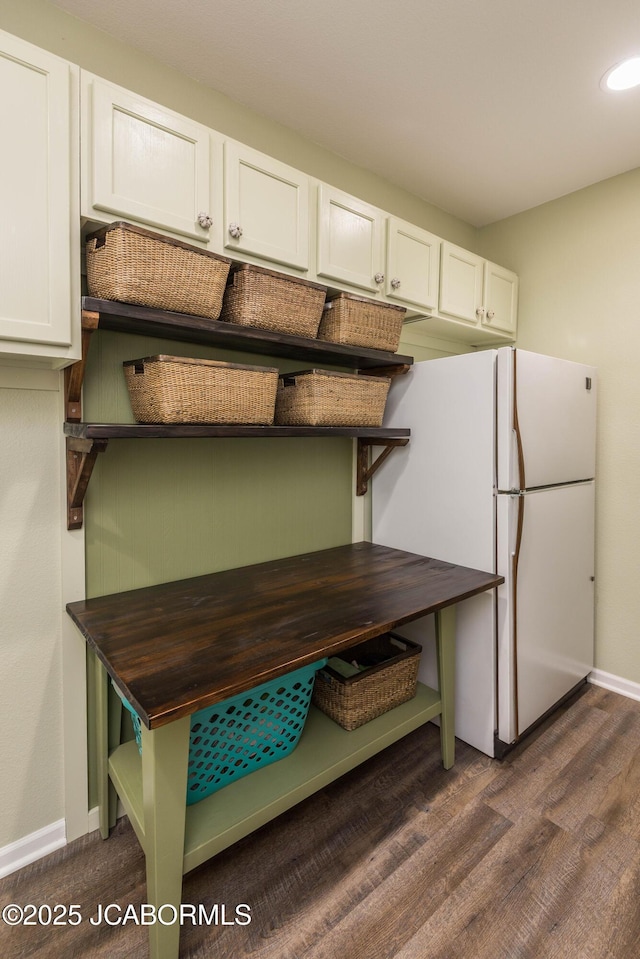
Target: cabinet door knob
<point>491,314</point>
<point>480,312</point>
<point>379,278</point>
<point>205,220</point>
<point>235,230</point>
<point>395,283</point>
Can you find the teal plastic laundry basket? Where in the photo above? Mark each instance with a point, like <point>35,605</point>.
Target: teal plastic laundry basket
<point>235,737</point>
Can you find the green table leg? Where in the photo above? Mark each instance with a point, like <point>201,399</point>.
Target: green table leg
<point>115,729</point>
<point>446,652</point>
<point>108,718</point>
<point>165,755</point>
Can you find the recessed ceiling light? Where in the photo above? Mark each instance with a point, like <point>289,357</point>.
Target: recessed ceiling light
<point>623,76</point>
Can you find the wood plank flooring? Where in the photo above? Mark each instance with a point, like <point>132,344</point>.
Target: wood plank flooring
<point>534,857</point>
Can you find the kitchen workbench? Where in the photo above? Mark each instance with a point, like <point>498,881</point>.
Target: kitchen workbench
<point>176,648</point>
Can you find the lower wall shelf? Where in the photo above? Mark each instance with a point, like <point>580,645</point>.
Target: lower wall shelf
<point>106,431</point>
<point>324,753</point>
<point>86,440</point>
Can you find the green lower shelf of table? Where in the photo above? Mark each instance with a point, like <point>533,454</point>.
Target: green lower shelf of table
<point>325,752</point>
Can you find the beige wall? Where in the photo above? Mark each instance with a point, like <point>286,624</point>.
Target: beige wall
<point>577,258</point>
<point>31,771</point>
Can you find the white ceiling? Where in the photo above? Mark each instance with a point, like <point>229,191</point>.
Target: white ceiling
<point>482,107</point>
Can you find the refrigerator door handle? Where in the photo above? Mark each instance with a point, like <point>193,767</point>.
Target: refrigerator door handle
<point>522,484</point>
<point>515,559</point>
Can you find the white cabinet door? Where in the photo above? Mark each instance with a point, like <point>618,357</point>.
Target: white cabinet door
<point>144,163</point>
<point>461,283</point>
<point>266,207</point>
<point>500,299</point>
<point>39,228</point>
<point>350,240</point>
<point>413,260</point>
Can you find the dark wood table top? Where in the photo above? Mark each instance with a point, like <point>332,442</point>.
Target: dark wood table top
<point>175,648</point>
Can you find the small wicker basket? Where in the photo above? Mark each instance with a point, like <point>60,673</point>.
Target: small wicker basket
<point>271,301</point>
<point>354,700</point>
<point>132,265</point>
<point>324,398</point>
<point>177,389</point>
<point>358,321</point>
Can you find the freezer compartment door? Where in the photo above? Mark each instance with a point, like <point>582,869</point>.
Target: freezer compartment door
<point>546,420</point>
<point>546,607</point>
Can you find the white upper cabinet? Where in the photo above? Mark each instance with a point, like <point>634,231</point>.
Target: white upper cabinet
<point>413,264</point>
<point>500,301</point>
<point>350,241</point>
<point>145,163</point>
<point>461,283</point>
<point>478,292</point>
<point>39,229</point>
<point>266,206</point>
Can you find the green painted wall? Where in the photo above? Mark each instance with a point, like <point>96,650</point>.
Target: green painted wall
<point>159,510</point>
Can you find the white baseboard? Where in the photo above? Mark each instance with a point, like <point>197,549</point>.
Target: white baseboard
<point>34,846</point>
<point>94,816</point>
<point>625,687</point>
<point>93,822</point>
<point>41,843</point>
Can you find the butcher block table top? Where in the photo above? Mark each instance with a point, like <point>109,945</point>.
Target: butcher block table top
<point>176,648</point>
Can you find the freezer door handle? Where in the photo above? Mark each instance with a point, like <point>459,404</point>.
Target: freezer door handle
<point>516,427</point>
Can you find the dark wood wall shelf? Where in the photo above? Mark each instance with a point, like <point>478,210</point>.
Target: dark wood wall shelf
<point>86,440</point>
<point>127,318</point>
<point>124,431</point>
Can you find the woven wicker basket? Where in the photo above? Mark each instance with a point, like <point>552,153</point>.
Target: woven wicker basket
<point>132,265</point>
<point>176,389</point>
<point>354,700</point>
<point>324,398</point>
<point>271,301</point>
<point>357,321</point>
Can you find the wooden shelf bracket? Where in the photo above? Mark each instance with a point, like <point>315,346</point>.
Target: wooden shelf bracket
<point>74,374</point>
<point>398,370</point>
<point>365,470</point>
<point>81,458</point>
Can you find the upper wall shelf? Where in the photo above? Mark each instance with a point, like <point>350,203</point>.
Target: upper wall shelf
<point>126,318</point>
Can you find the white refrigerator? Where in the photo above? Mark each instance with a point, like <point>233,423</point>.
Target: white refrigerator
<point>499,475</point>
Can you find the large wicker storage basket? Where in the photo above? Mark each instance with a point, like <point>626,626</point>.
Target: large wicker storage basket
<point>392,679</point>
<point>233,738</point>
<point>177,389</point>
<point>324,398</point>
<point>358,321</point>
<point>132,265</point>
<point>271,301</point>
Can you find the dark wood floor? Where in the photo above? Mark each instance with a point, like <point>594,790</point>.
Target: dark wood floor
<point>535,857</point>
